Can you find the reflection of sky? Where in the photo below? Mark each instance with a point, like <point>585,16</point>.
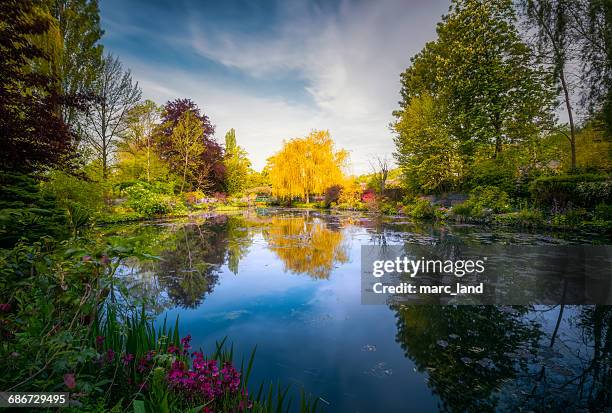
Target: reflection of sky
<point>312,332</point>
<point>309,332</point>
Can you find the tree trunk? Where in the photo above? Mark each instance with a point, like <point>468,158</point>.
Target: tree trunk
<point>498,146</point>
<point>104,161</point>
<point>149,160</point>
<point>185,172</point>
<point>568,105</point>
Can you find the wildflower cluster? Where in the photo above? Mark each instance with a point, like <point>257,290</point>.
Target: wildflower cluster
<point>205,381</point>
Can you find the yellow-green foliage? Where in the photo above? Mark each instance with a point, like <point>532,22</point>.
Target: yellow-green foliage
<point>426,153</point>
<point>306,166</point>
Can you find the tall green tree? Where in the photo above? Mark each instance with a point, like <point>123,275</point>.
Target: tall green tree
<point>137,140</point>
<point>188,144</point>
<point>32,133</point>
<point>593,27</point>
<point>236,164</point>
<point>79,27</point>
<point>426,154</point>
<point>494,90</point>
<point>556,44</point>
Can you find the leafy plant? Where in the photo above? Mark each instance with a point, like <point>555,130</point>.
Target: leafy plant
<point>586,190</point>
<point>147,202</point>
<point>420,209</point>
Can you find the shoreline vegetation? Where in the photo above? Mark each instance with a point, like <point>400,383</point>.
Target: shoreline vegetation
<point>477,140</point>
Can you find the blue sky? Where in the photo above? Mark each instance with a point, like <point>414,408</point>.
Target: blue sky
<point>275,70</point>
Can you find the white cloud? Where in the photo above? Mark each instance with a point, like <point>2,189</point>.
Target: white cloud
<point>349,59</point>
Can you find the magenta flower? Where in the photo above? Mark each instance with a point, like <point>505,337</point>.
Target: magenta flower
<point>172,349</point>
<point>205,381</point>
<point>5,308</point>
<point>143,365</point>
<point>127,359</point>
<point>185,342</point>
<point>110,355</point>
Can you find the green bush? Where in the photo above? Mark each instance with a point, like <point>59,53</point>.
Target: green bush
<point>482,202</point>
<point>586,190</point>
<point>571,218</point>
<point>603,212</point>
<point>490,197</point>
<point>70,190</point>
<point>493,173</point>
<point>420,209</point>
<point>27,213</point>
<point>144,201</point>
<point>525,217</point>
<point>389,208</point>
<point>463,209</point>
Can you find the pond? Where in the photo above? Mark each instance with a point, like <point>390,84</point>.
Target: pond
<point>288,282</point>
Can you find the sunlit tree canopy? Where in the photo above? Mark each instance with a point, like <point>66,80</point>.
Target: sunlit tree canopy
<point>306,166</point>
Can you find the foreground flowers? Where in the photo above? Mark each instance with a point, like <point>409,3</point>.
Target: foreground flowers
<point>189,378</point>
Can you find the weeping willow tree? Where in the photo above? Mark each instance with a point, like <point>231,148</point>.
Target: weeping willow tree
<point>306,166</point>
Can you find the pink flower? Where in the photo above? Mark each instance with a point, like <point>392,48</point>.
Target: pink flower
<point>185,342</point>
<point>110,355</point>
<point>127,359</point>
<point>5,308</point>
<point>69,380</point>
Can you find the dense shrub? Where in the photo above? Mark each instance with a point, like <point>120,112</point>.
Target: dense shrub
<point>483,201</point>
<point>389,208</point>
<point>52,291</point>
<point>490,197</point>
<point>143,200</point>
<point>587,190</point>
<point>70,190</point>
<point>492,172</point>
<point>27,213</point>
<point>420,209</point>
<point>603,212</point>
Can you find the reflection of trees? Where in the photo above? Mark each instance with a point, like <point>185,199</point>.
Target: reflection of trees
<point>573,369</point>
<point>468,351</point>
<point>191,254</point>
<point>306,246</point>
<point>494,358</point>
<point>189,270</point>
<point>238,242</point>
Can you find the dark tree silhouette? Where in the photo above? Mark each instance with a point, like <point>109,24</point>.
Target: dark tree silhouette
<point>32,130</point>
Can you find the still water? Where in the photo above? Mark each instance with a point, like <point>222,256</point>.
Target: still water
<point>288,282</point>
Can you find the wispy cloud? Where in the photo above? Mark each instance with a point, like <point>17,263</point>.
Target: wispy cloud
<point>348,57</point>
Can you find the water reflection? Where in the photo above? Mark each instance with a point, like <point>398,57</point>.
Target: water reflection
<point>468,352</point>
<point>439,358</point>
<point>488,358</point>
<point>306,246</point>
